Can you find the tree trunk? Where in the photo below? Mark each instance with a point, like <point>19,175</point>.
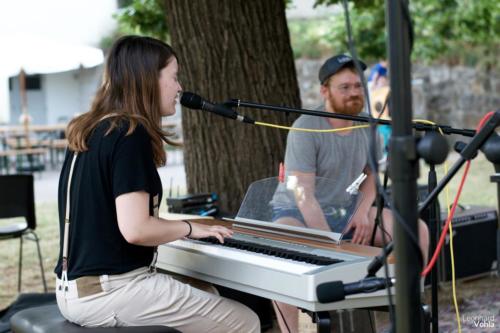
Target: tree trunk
<point>233,49</point>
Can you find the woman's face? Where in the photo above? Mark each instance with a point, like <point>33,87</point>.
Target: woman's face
<point>169,88</point>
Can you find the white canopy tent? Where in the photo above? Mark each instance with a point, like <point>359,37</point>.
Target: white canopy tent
<point>31,54</point>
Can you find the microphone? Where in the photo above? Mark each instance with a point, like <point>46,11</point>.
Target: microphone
<point>337,291</point>
<point>196,102</point>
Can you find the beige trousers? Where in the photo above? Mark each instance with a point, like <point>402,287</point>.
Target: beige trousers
<point>141,298</point>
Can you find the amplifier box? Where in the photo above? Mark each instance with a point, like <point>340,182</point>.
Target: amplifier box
<point>474,242</point>
<point>204,204</point>
<point>190,200</point>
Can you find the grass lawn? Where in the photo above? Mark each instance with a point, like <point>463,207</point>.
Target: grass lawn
<point>48,231</point>
<point>478,190</point>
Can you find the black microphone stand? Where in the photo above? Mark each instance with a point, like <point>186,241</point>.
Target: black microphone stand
<point>434,223</point>
<point>433,148</point>
<point>492,151</point>
<point>432,152</point>
<point>467,153</point>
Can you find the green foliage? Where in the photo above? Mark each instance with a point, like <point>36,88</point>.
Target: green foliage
<point>359,3</point>
<point>144,17</point>
<point>324,37</point>
<point>467,30</point>
<point>309,38</point>
<point>288,3</point>
<point>453,31</point>
<point>368,30</point>
<point>457,31</point>
<point>147,17</point>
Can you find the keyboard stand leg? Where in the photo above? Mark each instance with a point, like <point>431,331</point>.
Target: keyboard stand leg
<point>322,320</point>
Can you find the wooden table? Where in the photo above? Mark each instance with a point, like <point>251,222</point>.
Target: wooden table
<point>10,129</point>
<point>15,142</point>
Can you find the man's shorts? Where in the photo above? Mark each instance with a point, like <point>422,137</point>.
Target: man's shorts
<point>334,219</point>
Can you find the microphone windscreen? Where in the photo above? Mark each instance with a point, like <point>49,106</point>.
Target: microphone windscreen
<point>190,100</point>
<point>330,292</point>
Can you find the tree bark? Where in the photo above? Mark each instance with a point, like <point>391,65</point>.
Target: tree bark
<point>233,49</point>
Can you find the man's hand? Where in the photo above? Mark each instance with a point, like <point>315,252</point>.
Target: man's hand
<point>362,226</point>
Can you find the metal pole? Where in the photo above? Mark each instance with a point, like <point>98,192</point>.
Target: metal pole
<point>435,230</point>
<point>404,171</point>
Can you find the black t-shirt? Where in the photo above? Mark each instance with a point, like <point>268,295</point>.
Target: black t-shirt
<point>114,164</point>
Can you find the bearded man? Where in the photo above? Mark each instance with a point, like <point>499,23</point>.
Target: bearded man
<point>340,156</point>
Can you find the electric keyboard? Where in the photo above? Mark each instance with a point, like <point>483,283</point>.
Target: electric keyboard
<point>275,266</point>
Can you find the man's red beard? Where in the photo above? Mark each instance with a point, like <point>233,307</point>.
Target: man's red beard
<point>352,106</point>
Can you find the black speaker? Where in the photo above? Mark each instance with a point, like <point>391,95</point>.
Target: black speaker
<point>474,242</point>
<point>475,230</point>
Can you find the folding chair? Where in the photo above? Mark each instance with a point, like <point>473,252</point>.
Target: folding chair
<point>17,199</point>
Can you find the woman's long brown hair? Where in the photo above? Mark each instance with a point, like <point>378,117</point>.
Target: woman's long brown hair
<point>129,92</point>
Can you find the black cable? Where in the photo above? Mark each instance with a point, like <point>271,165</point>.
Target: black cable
<point>400,220</point>
<point>386,179</point>
<point>372,160</point>
<point>407,17</point>
<point>379,220</point>
<point>386,103</point>
<point>387,287</point>
<point>380,199</point>
<point>384,259</point>
<point>372,155</point>
<point>371,322</point>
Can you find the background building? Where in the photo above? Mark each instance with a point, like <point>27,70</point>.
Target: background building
<point>53,94</point>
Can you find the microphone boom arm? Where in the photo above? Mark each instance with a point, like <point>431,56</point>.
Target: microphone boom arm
<point>418,126</point>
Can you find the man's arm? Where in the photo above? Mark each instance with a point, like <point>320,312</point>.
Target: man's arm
<point>304,193</point>
<point>360,220</point>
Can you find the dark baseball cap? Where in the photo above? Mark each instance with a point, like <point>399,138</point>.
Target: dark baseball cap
<point>334,64</point>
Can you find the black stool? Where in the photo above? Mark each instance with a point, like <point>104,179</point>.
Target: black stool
<point>48,319</point>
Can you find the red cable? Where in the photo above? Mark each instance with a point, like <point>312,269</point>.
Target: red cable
<point>432,262</point>
<point>445,229</point>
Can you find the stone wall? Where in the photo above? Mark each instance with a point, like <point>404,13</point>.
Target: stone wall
<point>455,96</point>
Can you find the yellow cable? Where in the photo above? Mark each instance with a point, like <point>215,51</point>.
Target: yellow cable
<point>331,130</point>
<point>452,257</point>
<point>453,284</point>
<point>428,122</point>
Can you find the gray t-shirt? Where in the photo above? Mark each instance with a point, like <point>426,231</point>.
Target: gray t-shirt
<point>340,158</point>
